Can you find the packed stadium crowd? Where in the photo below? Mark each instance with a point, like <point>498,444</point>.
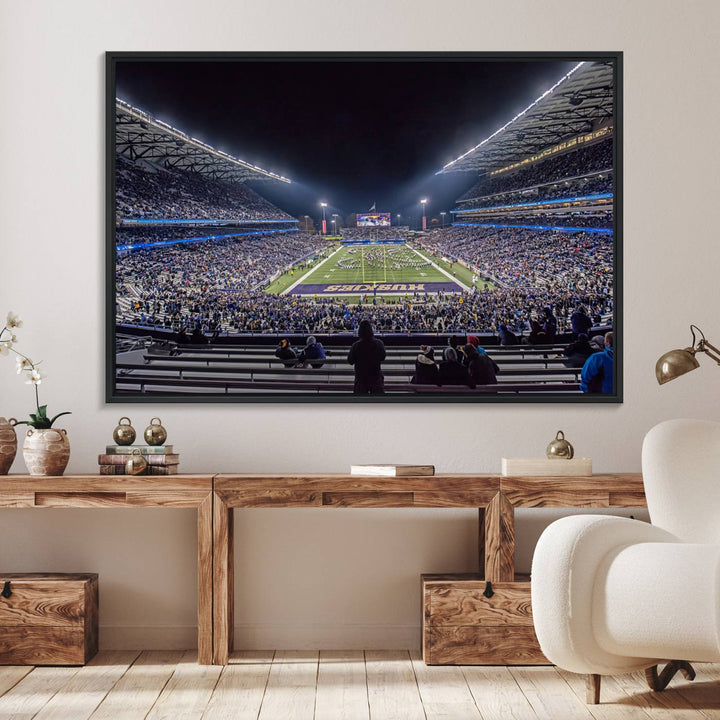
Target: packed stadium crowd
<point>575,187</point>
<point>155,193</point>
<point>180,280</point>
<point>595,219</point>
<point>554,169</point>
<point>126,236</point>
<point>540,260</point>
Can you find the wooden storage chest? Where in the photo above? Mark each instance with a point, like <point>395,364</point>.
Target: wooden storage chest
<point>462,626</point>
<point>48,618</point>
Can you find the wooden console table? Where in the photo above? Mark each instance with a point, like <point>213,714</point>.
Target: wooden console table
<point>125,491</point>
<point>215,498</point>
<point>495,497</point>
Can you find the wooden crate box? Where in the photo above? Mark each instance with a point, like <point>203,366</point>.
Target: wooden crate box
<point>48,618</point>
<point>461,626</point>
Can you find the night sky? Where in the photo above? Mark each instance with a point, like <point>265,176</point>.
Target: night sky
<point>347,132</point>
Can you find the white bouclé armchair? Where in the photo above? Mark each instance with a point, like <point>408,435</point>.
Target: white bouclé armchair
<point>613,595</point>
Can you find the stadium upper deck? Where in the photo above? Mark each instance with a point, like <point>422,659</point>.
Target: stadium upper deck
<point>164,176</point>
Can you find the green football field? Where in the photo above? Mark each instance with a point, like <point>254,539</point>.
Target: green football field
<point>382,269</point>
<point>375,264</point>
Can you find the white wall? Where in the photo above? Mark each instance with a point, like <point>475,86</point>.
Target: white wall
<point>330,578</point>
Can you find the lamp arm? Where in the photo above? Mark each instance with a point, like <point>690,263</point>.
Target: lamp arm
<point>710,350</point>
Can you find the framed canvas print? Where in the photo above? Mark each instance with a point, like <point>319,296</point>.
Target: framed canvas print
<point>353,227</point>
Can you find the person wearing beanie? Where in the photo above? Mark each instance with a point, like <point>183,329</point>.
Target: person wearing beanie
<point>451,371</point>
<point>426,370</point>
<point>285,353</point>
<point>578,352</point>
<point>313,354</point>
<point>481,367</point>
<point>507,336</point>
<point>366,356</point>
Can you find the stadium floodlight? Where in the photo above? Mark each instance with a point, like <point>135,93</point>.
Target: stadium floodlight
<point>443,218</point>
<point>423,202</point>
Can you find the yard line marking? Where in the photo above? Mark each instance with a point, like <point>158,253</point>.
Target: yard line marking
<point>444,272</point>
<point>310,272</point>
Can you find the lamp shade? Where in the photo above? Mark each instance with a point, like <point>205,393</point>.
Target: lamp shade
<point>675,363</point>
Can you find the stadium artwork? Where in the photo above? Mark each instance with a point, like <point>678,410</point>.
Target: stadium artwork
<point>354,227</point>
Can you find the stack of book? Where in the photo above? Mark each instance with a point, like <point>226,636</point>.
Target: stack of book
<point>161,459</point>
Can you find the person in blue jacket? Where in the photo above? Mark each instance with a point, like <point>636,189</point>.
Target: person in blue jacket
<point>597,373</point>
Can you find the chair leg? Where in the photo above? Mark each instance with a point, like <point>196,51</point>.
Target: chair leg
<point>660,682</point>
<point>592,689</point>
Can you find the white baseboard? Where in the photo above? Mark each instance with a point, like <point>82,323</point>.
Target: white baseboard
<point>269,636</point>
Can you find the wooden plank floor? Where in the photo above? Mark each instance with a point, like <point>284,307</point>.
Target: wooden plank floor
<point>343,685</point>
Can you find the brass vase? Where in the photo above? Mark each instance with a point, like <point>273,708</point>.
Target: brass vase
<point>46,451</point>
<point>8,444</point>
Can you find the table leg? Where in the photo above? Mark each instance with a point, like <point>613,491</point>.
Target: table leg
<point>223,581</point>
<point>499,518</point>
<point>205,580</point>
<point>481,541</point>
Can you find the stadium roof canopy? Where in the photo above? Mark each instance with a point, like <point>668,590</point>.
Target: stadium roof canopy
<point>578,103</point>
<point>139,135</point>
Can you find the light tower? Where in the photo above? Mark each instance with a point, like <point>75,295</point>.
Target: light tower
<point>443,218</point>
<point>334,222</point>
<point>423,202</point>
<point>323,205</point>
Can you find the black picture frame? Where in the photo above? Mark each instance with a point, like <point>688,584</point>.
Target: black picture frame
<point>113,395</point>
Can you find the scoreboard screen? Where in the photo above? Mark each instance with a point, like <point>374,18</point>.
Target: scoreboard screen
<point>373,220</point>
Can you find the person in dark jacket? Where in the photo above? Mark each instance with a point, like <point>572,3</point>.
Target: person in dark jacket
<point>312,354</point>
<point>451,371</point>
<point>481,367</point>
<point>286,353</point>
<point>580,322</point>
<point>366,355</point>
<point>578,352</point>
<point>426,370</point>
<point>549,325</point>
<point>597,372</point>
<point>507,336</point>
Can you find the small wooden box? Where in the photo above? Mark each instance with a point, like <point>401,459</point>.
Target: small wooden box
<point>461,626</point>
<point>48,618</point>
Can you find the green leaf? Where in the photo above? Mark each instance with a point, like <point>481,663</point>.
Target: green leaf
<point>42,411</point>
<point>67,412</point>
<point>35,418</point>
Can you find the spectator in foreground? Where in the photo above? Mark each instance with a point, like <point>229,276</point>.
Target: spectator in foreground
<point>426,370</point>
<point>507,336</point>
<point>481,367</point>
<point>451,371</point>
<point>312,354</point>
<point>366,355</point>
<point>597,372</point>
<point>286,353</point>
<point>580,321</point>
<point>578,352</point>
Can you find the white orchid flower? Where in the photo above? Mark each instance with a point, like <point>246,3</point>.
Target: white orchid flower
<point>5,346</point>
<point>35,377</point>
<point>23,364</point>
<point>13,320</point>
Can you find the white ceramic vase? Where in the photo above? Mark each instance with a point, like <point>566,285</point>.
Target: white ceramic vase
<point>46,451</point>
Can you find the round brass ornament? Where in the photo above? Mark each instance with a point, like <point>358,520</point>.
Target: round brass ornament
<point>136,463</point>
<point>155,433</point>
<point>560,448</point>
<point>124,433</point>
